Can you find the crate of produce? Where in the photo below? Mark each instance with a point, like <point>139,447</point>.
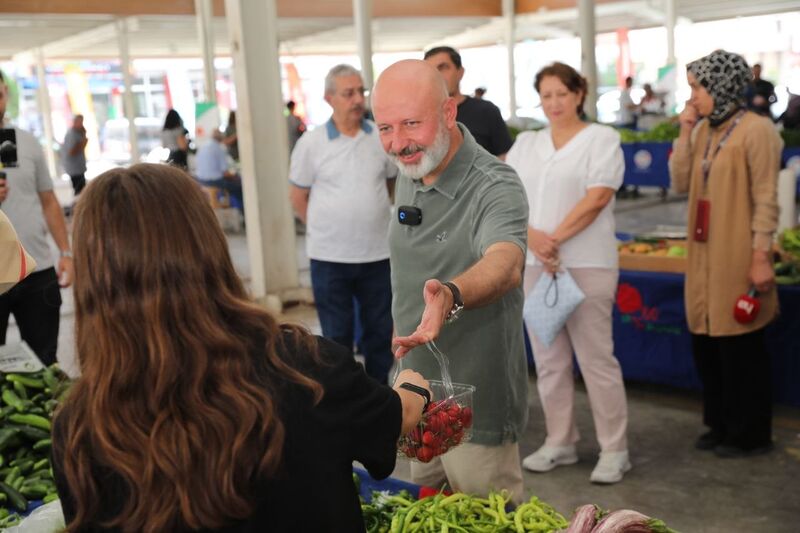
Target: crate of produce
<point>656,256</point>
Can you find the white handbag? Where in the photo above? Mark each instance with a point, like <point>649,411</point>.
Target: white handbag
<point>550,303</point>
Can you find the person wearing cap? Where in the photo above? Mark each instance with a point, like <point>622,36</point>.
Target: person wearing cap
<point>728,159</point>
<point>32,207</point>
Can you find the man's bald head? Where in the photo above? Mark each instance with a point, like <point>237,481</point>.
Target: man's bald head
<point>416,118</point>
<point>412,77</point>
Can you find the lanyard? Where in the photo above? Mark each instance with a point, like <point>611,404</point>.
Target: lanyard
<point>706,161</point>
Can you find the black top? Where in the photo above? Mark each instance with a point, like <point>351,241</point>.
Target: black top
<point>357,419</point>
<point>764,89</point>
<point>484,121</point>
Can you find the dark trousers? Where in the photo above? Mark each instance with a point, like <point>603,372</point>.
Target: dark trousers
<point>78,182</point>
<point>179,158</point>
<point>35,303</point>
<point>336,286</point>
<point>737,391</point>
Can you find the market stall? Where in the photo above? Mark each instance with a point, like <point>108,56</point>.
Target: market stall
<point>647,155</point>
<point>653,344</point>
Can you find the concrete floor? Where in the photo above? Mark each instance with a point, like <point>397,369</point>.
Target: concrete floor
<point>691,491</point>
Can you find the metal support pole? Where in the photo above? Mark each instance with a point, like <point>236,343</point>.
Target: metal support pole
<point>127,79</point>
<point>586,24</point>
<point>252,27</point>
<point>47,116</point>
<point>205,32</point>
<point>671,16</point>
<point>362,16</point>
<point>510,21</point>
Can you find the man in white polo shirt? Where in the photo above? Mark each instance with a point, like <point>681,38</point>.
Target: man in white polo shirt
<point>341,182</point>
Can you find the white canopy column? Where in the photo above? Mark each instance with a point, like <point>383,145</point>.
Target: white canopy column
<point>362,15</point>
<point>47,116</point>
<point>252,27</point>
<point>510,20</point>
<point>586,23</point>
<point>127,99</point>
<point>205,32</point>
<point>670,16</point>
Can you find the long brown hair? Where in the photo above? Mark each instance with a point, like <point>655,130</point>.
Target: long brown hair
<point>179,368</point>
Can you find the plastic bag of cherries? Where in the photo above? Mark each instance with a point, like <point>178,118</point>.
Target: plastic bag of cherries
<point>446,423</point>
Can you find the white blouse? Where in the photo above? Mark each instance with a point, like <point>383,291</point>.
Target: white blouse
<point>556,180</point>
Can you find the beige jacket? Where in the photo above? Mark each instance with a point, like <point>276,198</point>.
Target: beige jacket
<point>742,189</point>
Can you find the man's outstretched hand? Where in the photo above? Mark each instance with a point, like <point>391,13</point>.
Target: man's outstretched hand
<point>438,302</point>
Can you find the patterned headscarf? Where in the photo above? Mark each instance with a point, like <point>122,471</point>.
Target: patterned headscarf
<point>725,76</point>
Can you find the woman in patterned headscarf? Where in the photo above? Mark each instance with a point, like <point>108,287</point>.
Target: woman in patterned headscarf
<point>728,159</point>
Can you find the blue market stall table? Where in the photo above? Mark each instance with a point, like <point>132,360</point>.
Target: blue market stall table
<point>647,163</point>
<point>653,344</point>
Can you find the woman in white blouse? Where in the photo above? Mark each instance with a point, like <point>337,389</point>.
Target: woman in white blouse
<point>571,171</point>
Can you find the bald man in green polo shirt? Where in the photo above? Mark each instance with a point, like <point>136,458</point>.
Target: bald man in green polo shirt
<point>457,272</point>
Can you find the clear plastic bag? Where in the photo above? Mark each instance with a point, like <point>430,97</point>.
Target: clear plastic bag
<point>45,519</point>
<point>446,423</point>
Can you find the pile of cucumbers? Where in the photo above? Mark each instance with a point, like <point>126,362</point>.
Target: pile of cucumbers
<point>26,410</point>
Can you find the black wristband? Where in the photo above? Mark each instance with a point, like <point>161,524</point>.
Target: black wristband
<point>419,390</point>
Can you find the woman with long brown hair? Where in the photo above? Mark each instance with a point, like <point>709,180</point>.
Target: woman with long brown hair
<point>196,409</point>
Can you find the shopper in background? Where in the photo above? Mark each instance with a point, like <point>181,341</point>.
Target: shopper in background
<point>31,205</point>
<point>231,138</point>
<point>790,118</point>
<point>760,93</point>
<point>650,109</point>
<point>341,183</point>
<point>481,117</point>
<point>213,171</point>
<point>571,171</point>
<point>244,423</point>
<point>73,155</point>
<point>627,109</point>
<point>174,138</point>
<point>728,159</point>
<point>294,124</point>
<point>457,274</point>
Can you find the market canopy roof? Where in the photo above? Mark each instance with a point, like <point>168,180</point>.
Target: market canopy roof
<point>167,28</point>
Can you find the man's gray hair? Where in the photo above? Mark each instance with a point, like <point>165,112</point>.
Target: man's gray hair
<point>337,72</point>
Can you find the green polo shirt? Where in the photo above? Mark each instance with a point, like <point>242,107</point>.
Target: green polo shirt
<point>477,201</point>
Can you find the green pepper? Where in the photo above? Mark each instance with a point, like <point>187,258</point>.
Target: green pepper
<point>42,444</point>
<point>7,436</point>
<point>31,420</point>
<point>10,398</point>
<point>27,381</point>
<point>16,499</point>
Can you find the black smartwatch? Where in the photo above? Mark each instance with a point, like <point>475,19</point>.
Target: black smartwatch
<point>458,303</point>
<point>419,390</point>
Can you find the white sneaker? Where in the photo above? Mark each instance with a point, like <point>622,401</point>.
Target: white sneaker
<point>547,458</point>
<point>611,467</point>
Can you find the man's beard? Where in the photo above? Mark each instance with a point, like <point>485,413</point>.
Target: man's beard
<point>432,156</point>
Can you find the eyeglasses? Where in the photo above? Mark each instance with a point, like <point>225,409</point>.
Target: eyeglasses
<point>350,93</point>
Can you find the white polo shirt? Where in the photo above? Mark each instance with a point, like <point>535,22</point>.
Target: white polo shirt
<point>556,180</point>
<point>348,206</point>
